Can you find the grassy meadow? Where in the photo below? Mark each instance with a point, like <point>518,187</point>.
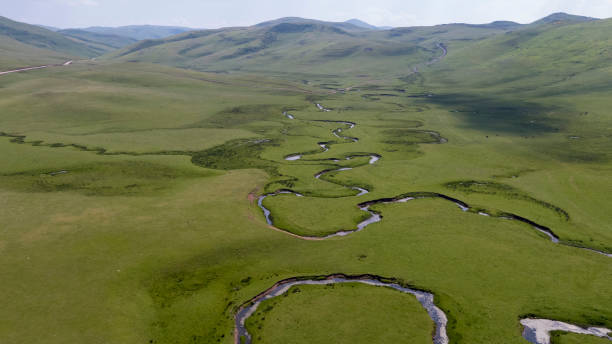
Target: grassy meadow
<point>335,315</point>
<point>563,338</point>
<point>129,214</point>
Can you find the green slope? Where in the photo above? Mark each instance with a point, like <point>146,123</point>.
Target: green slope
<point>38,37</point>
<point>103,43</point>
<point>561,17</point>
<point>345,26</point>
<point>362,24</point>
<point>504,49</point>
<point>14,54</point>
<point>301,46</point>
<point>547,59</point>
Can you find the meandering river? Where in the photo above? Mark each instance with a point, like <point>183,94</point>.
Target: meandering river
<point>536,331</point>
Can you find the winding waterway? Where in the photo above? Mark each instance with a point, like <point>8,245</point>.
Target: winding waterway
<point>536,331</point>
<point>322,108</point>
<point>241,334</point>
<point>375,217</point>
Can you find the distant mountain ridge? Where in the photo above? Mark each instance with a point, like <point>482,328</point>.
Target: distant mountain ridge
<point>140,32</point>
<point>303,45</point>
<point>276,44</point>
<point>103,43</point>
<point>365,25</point>
<point>345,26</point>
<point>500,24</point>
<point>297,45</point>
<point>563,17</point>
<point>559,17</point>
<point>50,28</point>
<point>24,45</point>
<point>41,38</point>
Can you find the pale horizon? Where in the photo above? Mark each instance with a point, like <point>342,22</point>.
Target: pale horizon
<point>217,14</point>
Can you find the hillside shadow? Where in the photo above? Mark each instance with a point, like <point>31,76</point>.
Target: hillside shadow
<point>500,115</point>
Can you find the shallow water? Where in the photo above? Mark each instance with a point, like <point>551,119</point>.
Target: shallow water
<point>265,210</point>
<point>362,191</point>
<point>322,108</point>
<point>537,331</point>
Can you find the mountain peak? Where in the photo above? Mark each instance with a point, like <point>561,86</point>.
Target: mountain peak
<point>361,23</point>
<point>285,20</point>
<point>564,17</point>
<point>364,25</point>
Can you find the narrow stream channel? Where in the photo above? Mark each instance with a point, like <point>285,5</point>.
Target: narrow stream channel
<point>537,331</point>
<point>375,217</point>
<point>322,108</point>
<point>242,336</point>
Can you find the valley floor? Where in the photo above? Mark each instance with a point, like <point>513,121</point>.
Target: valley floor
<point>129,206</point>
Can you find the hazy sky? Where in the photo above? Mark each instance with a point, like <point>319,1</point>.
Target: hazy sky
<point>219,13</point>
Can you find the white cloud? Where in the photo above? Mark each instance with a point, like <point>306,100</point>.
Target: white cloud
<point>382,16</point>
<point>181,21</point>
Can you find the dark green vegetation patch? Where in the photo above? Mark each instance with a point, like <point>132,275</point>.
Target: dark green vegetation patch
<point>501,116</point>
<point>411,137</point>
<point>101,179</point>
<point>237,154</point>
<point>504,190</point>
<point>242,115</point>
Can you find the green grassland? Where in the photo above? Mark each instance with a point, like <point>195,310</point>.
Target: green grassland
<point>335,315</point>
<point>544,60</point>
<point>127,191</point>
<point>303,48</point>
<point>565,338</point>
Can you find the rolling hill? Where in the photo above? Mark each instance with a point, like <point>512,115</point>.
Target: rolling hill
<point>23,45</point>
<point>546,58</point>
<point>557,48</point>
<point>14,54</point>
<point>50,28</point>
<point>365,25</point>
<point>38,37</point>
<point>103,43</point>
<point>296,45</point>
<point>312,23</point>
<point>561,17</point>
